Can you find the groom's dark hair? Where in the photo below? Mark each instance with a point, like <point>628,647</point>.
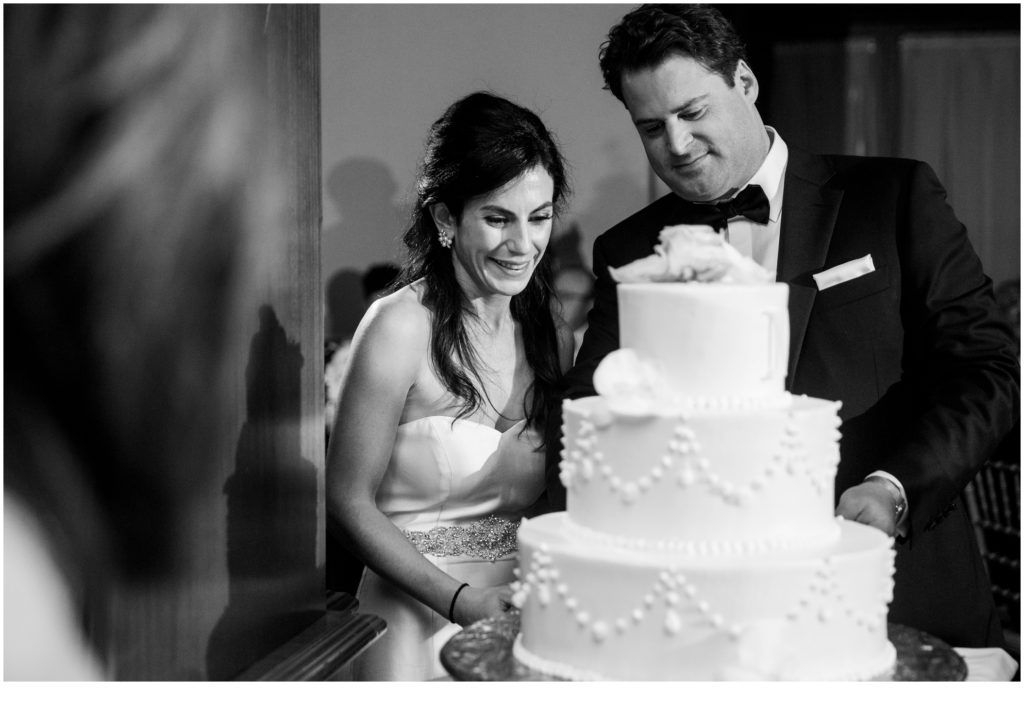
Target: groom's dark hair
<point>652,33</point>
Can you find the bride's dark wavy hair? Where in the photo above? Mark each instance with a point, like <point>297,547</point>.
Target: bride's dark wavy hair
<point>481,143</point>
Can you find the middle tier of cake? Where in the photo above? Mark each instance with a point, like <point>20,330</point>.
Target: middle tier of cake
<point>703,481</point>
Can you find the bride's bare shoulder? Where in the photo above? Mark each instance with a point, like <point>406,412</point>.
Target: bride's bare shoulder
<point>400,317</point>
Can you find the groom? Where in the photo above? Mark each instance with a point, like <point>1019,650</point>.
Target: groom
<point>909,341</point>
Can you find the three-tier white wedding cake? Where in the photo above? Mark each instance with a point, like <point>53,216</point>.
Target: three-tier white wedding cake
<point>699,540</point>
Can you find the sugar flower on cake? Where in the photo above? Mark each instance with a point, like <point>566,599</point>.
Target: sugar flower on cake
<point>632,386</point>
<point>693,253</point>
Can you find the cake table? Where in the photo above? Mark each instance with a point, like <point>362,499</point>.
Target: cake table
<point>483,652</point>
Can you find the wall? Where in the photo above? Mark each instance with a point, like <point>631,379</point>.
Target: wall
<point>960,104</point>
<point>255,571</point>
<point>390,70</point>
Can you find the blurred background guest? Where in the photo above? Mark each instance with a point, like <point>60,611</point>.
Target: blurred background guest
<point>375,282</point>
<point>574,289</point>
<point>136,200</point>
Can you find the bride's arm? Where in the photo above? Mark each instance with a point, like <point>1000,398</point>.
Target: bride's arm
<point>387,350</point>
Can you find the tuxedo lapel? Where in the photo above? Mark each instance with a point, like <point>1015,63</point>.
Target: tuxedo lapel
<point>809,210</point>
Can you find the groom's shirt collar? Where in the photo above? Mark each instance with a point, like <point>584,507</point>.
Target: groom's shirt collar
<point>769,176</point>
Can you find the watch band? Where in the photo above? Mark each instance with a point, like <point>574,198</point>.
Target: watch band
<point>900,503</point>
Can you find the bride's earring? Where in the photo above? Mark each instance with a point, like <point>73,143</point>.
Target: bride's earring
<point>445,238</point>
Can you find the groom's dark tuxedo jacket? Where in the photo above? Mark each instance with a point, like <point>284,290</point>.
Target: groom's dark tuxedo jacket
<point>915,351</point>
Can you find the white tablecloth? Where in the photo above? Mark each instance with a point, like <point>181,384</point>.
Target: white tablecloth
<point>988,664</point>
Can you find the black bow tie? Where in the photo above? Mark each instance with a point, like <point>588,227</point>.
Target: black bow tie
<point>751,203</point>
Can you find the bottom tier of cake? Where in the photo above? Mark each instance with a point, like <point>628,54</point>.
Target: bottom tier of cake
<point>590,611</point>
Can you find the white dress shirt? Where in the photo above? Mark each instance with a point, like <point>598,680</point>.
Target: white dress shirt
<point>761,241</point>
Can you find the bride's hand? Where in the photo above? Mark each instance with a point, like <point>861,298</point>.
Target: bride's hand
<point>475,603</point>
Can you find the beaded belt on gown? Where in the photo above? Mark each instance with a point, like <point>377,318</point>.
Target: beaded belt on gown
<point>491,538</point>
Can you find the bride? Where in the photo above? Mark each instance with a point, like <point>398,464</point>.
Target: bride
<point>434,456</point>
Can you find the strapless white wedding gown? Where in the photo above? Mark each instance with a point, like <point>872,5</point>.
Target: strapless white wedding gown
<point>453,486</point>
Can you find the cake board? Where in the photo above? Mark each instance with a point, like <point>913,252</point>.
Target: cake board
<point>483,652</point>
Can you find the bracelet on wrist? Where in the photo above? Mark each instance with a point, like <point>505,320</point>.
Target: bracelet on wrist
<point>451,609</point>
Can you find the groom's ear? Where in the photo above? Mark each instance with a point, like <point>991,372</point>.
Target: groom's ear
<point>442,216</point>
<point>745,80</point>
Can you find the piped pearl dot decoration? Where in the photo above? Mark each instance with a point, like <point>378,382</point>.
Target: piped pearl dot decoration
<point>713,548</point>
<point>824,600</point>
<point>672,623</point>
<point>674,603</point>
<point>684,455</point>
<point>684,452</point>
<point>586,469</point>
<point>664,591</point>
<point>630,492</point>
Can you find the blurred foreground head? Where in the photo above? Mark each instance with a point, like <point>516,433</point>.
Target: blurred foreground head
<point>138,197</point>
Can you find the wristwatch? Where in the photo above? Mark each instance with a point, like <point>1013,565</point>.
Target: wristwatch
<point>897,496</point>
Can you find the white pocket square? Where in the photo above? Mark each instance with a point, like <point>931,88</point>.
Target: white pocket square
<point>844,272</point>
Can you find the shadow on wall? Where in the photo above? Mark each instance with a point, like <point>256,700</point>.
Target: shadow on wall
<point>272,532</point>
<point>612,202</point>
<point>364,192</point>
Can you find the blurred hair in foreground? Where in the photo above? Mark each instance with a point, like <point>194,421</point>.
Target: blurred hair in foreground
<point>139,200</point>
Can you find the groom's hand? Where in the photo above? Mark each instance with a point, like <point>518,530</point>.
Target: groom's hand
<point>870,503</point>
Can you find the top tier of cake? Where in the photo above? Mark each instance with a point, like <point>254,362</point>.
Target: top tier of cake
<point>694,444</point>
<point>709,340</point>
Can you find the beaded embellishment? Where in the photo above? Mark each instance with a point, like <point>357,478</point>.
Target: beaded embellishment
<point>491,539</point>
